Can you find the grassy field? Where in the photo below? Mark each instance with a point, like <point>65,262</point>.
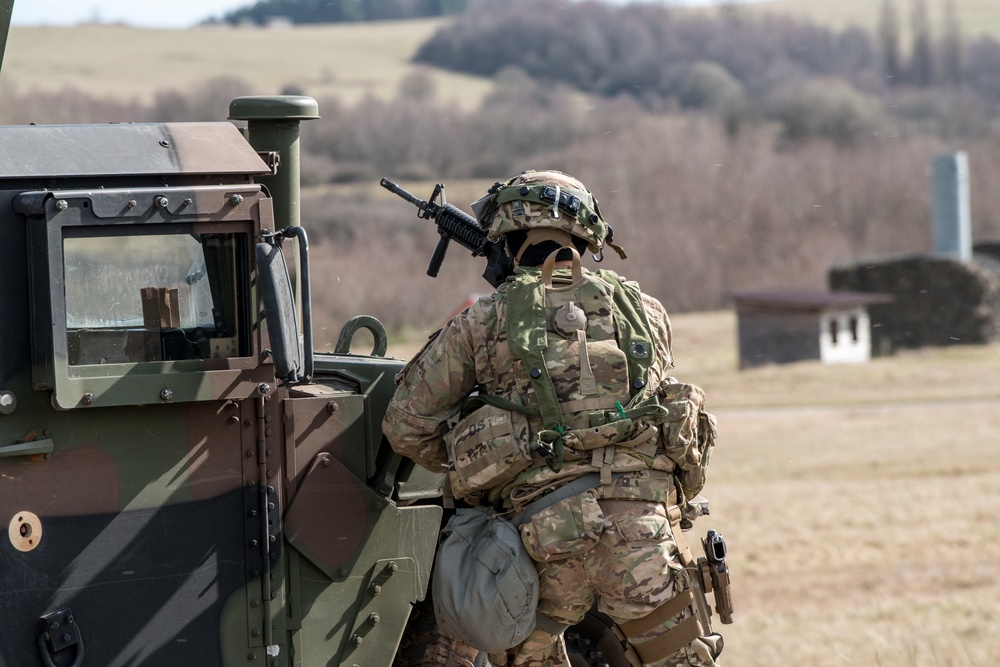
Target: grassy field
<point>347,61</point>
<point>859,502</point>
<point>976,17</point>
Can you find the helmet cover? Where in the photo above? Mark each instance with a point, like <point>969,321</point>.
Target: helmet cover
<point>528,201</point>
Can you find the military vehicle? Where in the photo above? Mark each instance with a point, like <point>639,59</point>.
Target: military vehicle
<point>183,480</point>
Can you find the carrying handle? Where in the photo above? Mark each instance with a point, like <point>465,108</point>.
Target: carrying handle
<point>550,262</point>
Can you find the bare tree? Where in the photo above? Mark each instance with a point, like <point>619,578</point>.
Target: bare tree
<point>888,31</point>
<point>951,47</point>
<point>922,58</point>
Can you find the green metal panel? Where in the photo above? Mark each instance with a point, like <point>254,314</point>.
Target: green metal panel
<point>6,7</point>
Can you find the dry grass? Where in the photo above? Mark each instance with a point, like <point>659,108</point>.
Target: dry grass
<point>976,17</point>
<point>347,61</point>
<point>859,503</point>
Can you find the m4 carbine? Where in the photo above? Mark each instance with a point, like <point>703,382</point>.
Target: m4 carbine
<point>454,223</point>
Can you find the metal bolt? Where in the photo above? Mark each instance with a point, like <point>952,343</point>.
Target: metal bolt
<point>248,423</point>
<point>263,389</point>
<point>167,395</point>
<point>275,663</point>
<point>326,463</point>
<point>342,573</point>
<point>374,618</point>
<point>255,632</point>
<point>132,203</point>
<point>267,431</point>
<point>357,640</point>
<point>164,143</point>
<point>332,407</point>
<point>270,490</point>
<point>236,199</point>
<point>253,513</point>
<point>375,589</point>
<point>62,205</point>
<point>254,603</point>
<point>393,567</point>
<point>252,656</point>
<point>188,201</point>
<point>160,202</point>
<point>54,626</point>
<point>88,399</point>
<point>254,543</point>
<point>233,419</point>
<point>66,637</point>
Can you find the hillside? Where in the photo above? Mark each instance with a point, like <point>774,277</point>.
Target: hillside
<point>347,60</point>
<point>976,17</point>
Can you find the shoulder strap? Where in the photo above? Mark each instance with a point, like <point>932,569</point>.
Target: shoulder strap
<point>634,333</point>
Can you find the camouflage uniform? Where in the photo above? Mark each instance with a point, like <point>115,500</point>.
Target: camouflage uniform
<point>614,542</point>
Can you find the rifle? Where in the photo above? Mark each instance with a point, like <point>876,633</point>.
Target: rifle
<point>454,223</point>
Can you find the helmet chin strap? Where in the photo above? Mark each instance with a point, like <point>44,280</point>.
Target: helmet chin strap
<point>540,234</point>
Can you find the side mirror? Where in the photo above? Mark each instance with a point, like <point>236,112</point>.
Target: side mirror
<point>279,310</point>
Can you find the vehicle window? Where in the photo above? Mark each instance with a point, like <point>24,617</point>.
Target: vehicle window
<point>153,297</point>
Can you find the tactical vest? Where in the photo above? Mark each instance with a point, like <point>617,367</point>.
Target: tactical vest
<point>582,353</point>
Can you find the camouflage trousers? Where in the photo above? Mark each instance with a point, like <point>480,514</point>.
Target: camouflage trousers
<point>633,567</point>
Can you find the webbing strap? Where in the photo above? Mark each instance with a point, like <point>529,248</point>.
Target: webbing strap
<point>658,616</point>
<point>527,338</point>
<point>674,515</point>
<point>591,480</point>
<point>633,330</point>
<point>671,641</point>
<point>546,623</point>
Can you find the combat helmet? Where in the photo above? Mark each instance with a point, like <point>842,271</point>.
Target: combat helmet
<point>545,200</point>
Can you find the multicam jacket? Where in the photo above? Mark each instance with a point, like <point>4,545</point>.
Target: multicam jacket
<point>470,354</point>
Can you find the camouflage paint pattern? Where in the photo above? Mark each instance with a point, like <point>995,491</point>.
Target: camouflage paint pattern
<point>193,511</point>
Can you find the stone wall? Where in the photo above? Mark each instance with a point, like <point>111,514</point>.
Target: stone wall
<point>937,300</point>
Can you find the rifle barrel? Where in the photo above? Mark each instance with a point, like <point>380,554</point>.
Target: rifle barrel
<point>397,190</point>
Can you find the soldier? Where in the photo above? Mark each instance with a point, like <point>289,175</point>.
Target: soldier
<point>561,376</point>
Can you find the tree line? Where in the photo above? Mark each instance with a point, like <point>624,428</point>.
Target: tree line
<point>737,67</point>
<point>342,11</point>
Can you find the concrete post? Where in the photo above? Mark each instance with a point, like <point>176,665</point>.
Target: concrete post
<point>952,216</point>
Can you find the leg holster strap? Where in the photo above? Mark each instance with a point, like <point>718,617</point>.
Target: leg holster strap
<point>670,640</point>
